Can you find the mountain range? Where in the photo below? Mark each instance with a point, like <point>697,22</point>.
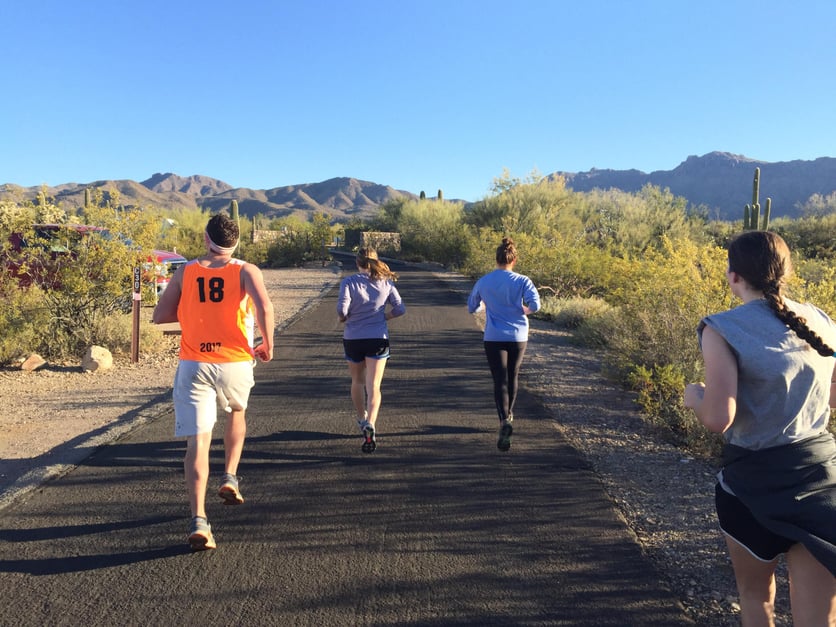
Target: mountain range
<point>720,182</point>
<point>341,198</point>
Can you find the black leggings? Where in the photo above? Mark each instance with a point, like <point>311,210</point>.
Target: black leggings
<point>505,359</point>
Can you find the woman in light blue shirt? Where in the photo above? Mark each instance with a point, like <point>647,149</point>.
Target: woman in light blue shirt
<point>362,307</point>
<point>507,298</point>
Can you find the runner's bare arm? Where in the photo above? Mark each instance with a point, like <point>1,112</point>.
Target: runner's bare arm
<point>166,309</point>
<point>254,286</point>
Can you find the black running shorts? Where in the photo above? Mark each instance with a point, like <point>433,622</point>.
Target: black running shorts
<point>738,522</point>
<point>358,350</point>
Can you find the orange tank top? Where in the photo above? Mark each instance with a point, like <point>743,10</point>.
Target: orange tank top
<point>215,314</point>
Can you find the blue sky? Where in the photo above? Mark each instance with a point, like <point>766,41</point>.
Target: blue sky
<point>419,95</point>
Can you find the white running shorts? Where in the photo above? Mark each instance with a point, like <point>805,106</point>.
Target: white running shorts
<point>201,388</point>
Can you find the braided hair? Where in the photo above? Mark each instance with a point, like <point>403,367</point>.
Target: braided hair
<point>367,260</point>
<point>762,259</point>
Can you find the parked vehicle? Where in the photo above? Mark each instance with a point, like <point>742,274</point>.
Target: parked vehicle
<point>164,264</point>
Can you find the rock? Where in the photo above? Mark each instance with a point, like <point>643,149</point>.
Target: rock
<point>96,359</point>
<point>33,362</point>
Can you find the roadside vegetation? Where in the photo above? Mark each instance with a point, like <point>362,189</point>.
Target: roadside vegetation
<point>628,274</point>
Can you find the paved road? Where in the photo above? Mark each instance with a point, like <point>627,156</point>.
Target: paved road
<point>436,527</point>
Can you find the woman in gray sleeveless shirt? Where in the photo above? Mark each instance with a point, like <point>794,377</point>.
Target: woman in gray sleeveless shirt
<point>769,364</point>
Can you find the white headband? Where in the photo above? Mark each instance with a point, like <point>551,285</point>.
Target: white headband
<point>215,248</point>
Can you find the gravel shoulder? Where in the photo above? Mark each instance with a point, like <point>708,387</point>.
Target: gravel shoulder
<point>54,416</point>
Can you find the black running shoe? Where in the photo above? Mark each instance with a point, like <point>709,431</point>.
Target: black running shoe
<point>505,431</point>
<point>369,444</point>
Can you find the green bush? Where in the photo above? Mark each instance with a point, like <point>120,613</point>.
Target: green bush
<point>115,332</point>
<point>534,205</point>
<point>596,331</point>
<point>815,282</point>
<point>431,230</point>
<point>659,392</point>
<point>85,276</point>
<point>23,317</point>
<point>662,296</point>
<point>572,313</point>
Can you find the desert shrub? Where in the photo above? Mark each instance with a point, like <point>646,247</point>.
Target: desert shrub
<point>532,205</point>
<point>23,317</point>
<point>560,266</point>
<point>572,313</point>
<point>596,330</point>
<point>115,332</point>
<point>815,282</point>
<point>257,253</point>
<point>652,343</point>
<point>85,275</point>
<point>298,242</point>
<point>480,251</point>
<point>431,230</point>
<point>662,296</point>
<point>182,232</point>
<point>633,222</point>
<point>290,249</point>
<point>812,237</point>
<point>15,217</point>
<point>659,394</point>
<point>564,267</point>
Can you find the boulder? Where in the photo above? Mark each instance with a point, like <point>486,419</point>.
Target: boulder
<point>33,362</point>
<point>97,358</point>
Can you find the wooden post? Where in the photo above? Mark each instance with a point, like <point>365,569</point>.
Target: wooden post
<point>137,301</point>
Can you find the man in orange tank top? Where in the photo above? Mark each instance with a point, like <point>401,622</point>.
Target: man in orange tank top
<point>217,300</point>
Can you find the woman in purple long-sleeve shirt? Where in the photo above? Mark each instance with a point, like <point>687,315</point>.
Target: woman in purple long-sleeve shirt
<point>362,307</point>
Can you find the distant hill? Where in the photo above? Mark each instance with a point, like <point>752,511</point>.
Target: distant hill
<point>720,181</point>
<point>341,198</point>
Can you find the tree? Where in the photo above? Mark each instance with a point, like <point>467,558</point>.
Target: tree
<point>534,205</point>
<point>321,235</point>
<point>631,223</point>
<point>818,205</point>
<point>432,230</point>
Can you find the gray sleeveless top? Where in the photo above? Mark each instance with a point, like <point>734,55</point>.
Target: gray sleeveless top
<point>783,387</point>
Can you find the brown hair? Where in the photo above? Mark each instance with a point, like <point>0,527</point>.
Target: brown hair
<point>367,260</point>
<point>506,252</point>
<point>762,259</point>
<point>222,230</point>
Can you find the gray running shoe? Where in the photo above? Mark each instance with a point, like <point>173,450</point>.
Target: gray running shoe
<point>229,490</point>
<point>201,538</point>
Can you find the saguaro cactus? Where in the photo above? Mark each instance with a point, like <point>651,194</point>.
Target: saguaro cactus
<point>766,214</point>
<point>752,213</point>
<point>233,213</point>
